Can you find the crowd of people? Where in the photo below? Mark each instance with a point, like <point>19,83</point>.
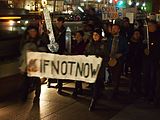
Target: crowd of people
<point>123,47</point>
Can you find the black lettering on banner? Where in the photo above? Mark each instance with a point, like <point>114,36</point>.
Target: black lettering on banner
<point>45,64</point>
<point>64,70</point>
<point>55,67</point>
<point>71,66</point>
<point>94,71</point>
<point>79,69</point>
<point>86,70</point>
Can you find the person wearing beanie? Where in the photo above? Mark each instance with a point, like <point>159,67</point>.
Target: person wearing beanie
<point>97,47</point>
<point>98,31</point>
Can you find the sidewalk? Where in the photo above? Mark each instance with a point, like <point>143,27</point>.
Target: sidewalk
<point>9,85</point>
<point>64,107</point>
<point>138,111</point>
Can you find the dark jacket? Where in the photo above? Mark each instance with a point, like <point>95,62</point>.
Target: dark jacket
<point>154,45</point>
<point>135,53</point>
<point>122,47</point>
<point>99,49</point>
<point>43,42</point>
<point>78,48</point>
<point>60,38</point>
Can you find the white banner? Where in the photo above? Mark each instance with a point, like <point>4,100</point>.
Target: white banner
<point>73,67</point>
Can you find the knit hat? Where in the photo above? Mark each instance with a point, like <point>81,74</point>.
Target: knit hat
<point>98,30</point>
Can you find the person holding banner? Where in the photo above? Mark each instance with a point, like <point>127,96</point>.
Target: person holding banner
<point>97,47</point>
<point>29,44</point>
<point>78,47</point>
<point>60,32</point>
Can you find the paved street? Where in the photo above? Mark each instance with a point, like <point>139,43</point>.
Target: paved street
<point>53,106</point>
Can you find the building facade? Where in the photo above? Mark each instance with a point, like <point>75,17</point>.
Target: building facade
<point>67,5</point>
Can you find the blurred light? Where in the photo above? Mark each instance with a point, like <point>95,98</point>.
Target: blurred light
<point>26,22</point>
<point>11,22</point>
<point>10,28</point>
<point>99,0</point>
<point>44,2</point>
<point>114,21</point>
<point>9,18</point>
<point>137,4</point>
<point>23,28</point>
<point>115,1</point>
<point>18,21</point>
<point>41,10</point>
<point>144,4</point>
<point>120,2</point>
<point>129,2</point>
<point>69,11</point>
<point>79,8</point>
<point>110,1</point>
<point>103,34</point>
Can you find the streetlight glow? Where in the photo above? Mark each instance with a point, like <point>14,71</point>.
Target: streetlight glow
<point>99,1</point>
<point>110,1</point>
<point>11,22</point>
<point>130,2</point>
<point>137,4</point>
<point>144,4</point>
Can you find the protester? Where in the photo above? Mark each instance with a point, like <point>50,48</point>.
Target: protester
<point>118,49</point>
<point>152,58</point>
<point>97,47</point>
<point>78,47</point>
<point>29,44</point>
<point>59,33</point>
<point>135,57</point>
